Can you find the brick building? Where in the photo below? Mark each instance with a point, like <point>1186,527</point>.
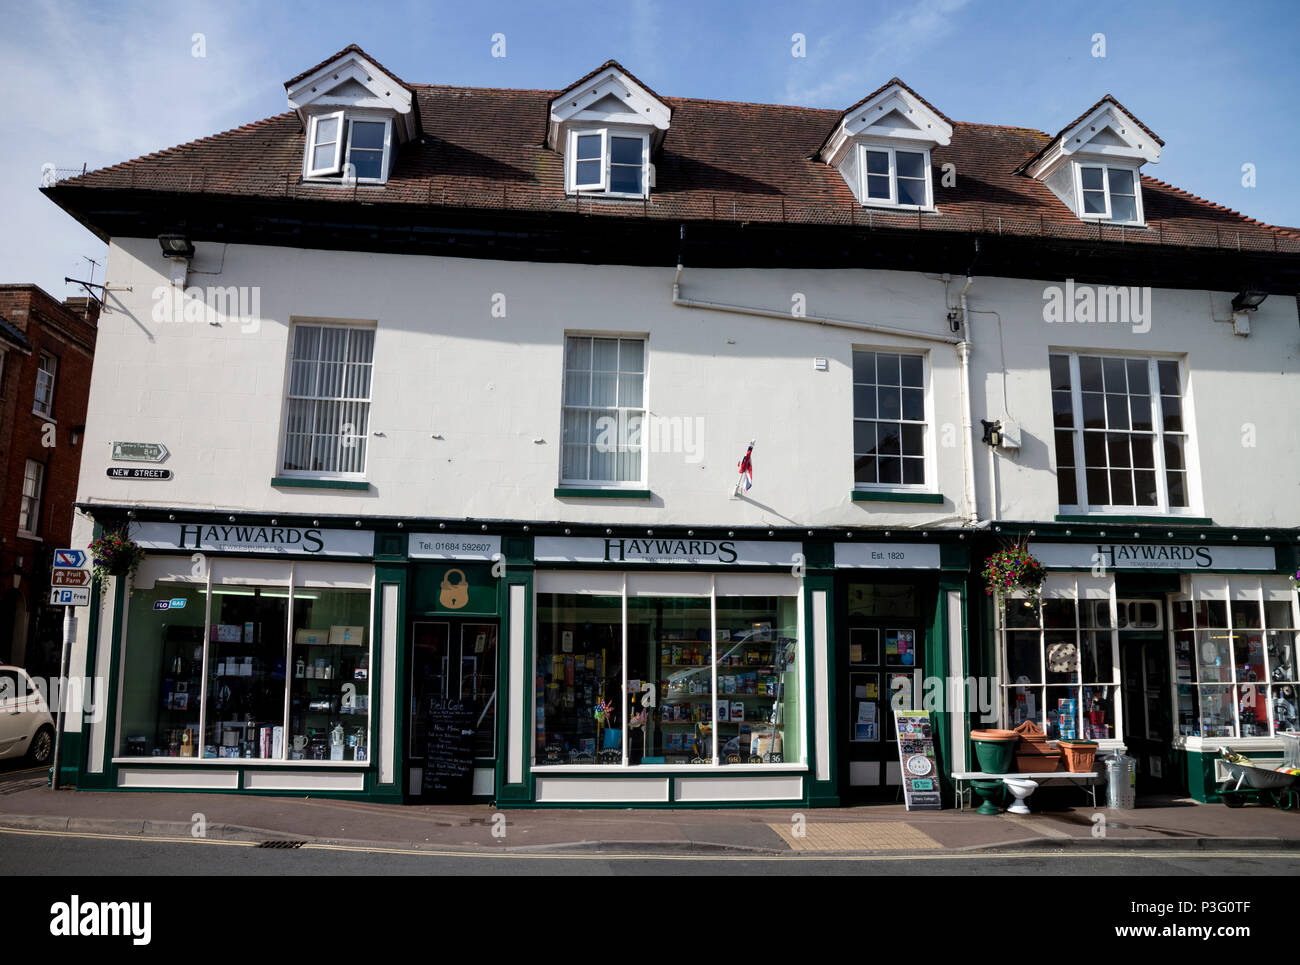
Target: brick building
<point>46,351</point>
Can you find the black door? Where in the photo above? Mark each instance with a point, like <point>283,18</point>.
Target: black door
<point>1148,723</point>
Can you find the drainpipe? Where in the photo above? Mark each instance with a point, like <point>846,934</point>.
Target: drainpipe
<point>968,455</point>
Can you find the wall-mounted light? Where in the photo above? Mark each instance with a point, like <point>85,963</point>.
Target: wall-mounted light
<point>179,250</point>
<point>1247,300</point>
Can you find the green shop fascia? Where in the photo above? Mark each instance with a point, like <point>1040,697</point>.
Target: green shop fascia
<point>533,665</point>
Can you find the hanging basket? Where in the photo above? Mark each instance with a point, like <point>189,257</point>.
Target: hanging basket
<point>115,554</point>
<point>1013,569</point>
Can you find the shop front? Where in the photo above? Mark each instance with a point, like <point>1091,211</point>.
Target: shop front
<point>1164,651</point>
<point>670,671</point>
<point>241,657</point>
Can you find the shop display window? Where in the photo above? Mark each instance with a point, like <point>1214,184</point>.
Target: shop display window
<point>758,674</point>
<point>704,679</point>
<point>218,669</point>
<point>1234,658</point>
<point>1059,662</point>
<point>329,690</point>
<point>246,663</point>
<point>670,681</point>
<point>163,671</point>
<point>579,672</point>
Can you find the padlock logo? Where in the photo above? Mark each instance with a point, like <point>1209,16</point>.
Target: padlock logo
<point>454,595</point>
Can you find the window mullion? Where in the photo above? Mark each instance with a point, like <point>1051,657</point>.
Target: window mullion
<point>1158,441</point>
<point>1076,402</point>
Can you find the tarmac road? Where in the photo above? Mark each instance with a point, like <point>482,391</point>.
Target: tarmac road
<point>89,854</point>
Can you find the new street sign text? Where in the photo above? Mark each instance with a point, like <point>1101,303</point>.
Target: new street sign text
<point>137,472</point>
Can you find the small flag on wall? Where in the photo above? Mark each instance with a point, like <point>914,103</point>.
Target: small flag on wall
<point>746,467</point>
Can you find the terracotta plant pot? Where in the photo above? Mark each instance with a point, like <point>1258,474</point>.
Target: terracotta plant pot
<point>1034,755</point>
<point>1080,756</point>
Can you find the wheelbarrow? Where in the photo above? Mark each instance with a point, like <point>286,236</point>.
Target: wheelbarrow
<point>1246,782</point>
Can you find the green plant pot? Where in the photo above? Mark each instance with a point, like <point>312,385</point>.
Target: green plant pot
<point>995,757</point>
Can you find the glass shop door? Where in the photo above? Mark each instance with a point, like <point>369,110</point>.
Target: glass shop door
<point>452,659</point>
<point>879,655</point>
<point>1148,718</point>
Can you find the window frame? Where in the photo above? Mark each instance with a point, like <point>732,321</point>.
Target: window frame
<point>33,499</point>
<point>343,147</point>
<point>1105,168</point>
<point>53,373</point>
<point>607,133</point>
<point>358,475</point>
<point>1077,431</point>
<point>931,484</point>
<point>892,201</point>
<point>641,483</point>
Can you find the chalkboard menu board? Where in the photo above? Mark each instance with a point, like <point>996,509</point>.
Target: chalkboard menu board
<point>916,757</point>
<point>449,751</point>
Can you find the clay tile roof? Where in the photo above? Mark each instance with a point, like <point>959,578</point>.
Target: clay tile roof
<point>719,161</point>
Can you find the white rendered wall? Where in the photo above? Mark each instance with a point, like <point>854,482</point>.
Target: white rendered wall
<point>490,386</point>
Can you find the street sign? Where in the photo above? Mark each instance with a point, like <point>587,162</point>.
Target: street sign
<point>77,596</point>
<point>139,451</point>
<point>70,578</point>
<point>138,472</point>
<point>69,559</point>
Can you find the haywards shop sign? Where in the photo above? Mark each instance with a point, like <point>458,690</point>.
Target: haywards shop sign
<point>733,552</point>
<point>253,538</point>
<point>1184,557</point>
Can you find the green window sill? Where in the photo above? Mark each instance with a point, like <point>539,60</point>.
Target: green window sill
<point>1162,520</point>
<point>293,482</point>
<point>568,492</point>
<point>873,496</point>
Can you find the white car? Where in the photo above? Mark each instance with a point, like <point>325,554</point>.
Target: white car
<point>26,727</point>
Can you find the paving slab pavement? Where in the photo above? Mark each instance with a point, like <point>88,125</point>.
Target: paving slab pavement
<point>882,828</point>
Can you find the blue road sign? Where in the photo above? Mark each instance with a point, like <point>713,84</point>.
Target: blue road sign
<point>69,559</point>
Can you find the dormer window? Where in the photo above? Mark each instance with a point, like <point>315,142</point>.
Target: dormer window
<point>1110,193</point>
<point>881,145</point>
<point>345,146</point>
<point>608,126</point>
<point>354,115</point>
<point>1094,164</point>
<point>609,162</point>
<point>895,177</point>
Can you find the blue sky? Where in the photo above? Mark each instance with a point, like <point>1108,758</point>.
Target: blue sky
<point>99,83</point>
